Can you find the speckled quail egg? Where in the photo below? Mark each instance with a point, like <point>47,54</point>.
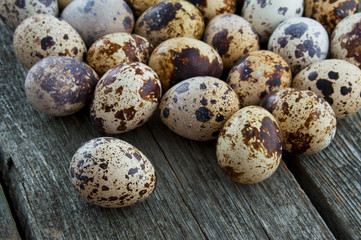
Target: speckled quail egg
<point>300,41</point>
<point>170,19</point>
<point>257,74</point>
<point>125,98</point>
<point>63,3</point>
<point>13,12</point>
<point>337,81</point>
<point>116,48</point>
<point>111,173</point>
<point>249,147</point>
<point>329,13</point>
<point>307,121</point>
<point>266,15</point>
<point>60,86</point>
<point>232,37</point>
<point>43,35</point>
<point>346,40</point>
<point>139,6</point>
<point>94,19</point>
<point>212,8</point>
<point>197,108</point>
<point>178,59</point>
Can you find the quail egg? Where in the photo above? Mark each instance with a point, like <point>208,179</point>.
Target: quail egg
<point>212,8</point>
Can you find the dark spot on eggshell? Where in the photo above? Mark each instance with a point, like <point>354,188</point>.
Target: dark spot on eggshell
<point>122,126</point>
<point>270,102</point>
<point>325,87</point>
<point>46,3</point>
<point>203,114</point>
<point>202,86</point>
<point>127,23</point>
<point>221,42</point>
<point>137,156</point>
<point>351,41</point>
<point>127,8</point>
<point>219,117</point>
<point>282,41</point>
<point>345,90</point>
<point>150,91</point>
<point>103,165</point>
<point>190,63</point>
<point>87,8</point>
<point>262,3</point>
<point>285,108</point>
<point>133,171</point>
<point>66,37</point>
<point>312,76</point>
<point>308,46</point>
<point>126,114</point>
<point>199,3</point>
<point>112,198</point>
<point>105,188</point>
<point>166,112</point>
<point>296,30</point>
<point>184,87</point>
<point>270,137</point>
<point>20,3</point>
<point>141,193</point>
<point>245,70</point>
<point>345,8</point>
<point>47,43</point>
<point>166,11</point>
<point>333,75</point>
<point>299,141</point>
<point>98,123</point>
<point>204,101</point>
<point>175,99</point>
<point>282,10</point>
<point>109,48</point>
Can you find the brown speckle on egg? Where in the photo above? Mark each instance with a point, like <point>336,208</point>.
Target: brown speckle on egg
<point>104,172</point>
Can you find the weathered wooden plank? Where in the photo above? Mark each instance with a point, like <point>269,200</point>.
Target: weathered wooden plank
<point>332,179</point>
<point>8,228</point>
<point>194,199</point>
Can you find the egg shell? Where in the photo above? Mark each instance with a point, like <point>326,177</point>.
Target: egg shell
<point>13,12</point>
<point>249,148</point>
<point>178,59</point>
<point>232,37</point>
<point>307,122</point>
<point>212,8</point>
<point>94,19</point>
<point>346,40</point>
<point>337,81</point>
<point>60,86</point>
<point>139,6</point>
<point>266,15</point>
<point>300,41</point>
<point>116,48</point>
<point>43,35</point>
<point>257,74</point>
<point>329,13</point>
<point>197,108</point>
<point>111,173</point>
<point>125,98</point>
<point>170,19</point>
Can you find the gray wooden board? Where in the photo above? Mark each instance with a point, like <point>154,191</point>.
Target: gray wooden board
<point>8,228</point>
<point>194,199</point>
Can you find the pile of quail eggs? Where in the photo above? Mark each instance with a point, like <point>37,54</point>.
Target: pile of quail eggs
<point>252,74</point>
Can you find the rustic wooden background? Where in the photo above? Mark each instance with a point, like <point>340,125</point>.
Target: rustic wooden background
<point>309,197</point>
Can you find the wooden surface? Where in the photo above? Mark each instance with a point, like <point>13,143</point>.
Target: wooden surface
<point>194,199</point>
<point>8,228</point>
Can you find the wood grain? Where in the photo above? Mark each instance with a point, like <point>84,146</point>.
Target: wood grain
<point>8,228</point>
<point>194,199</point>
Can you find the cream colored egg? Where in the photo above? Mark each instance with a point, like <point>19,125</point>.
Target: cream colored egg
<point>266,15</point>
<point>13,12</point>
<point>125,98</point>
<point>178,59</point>
<point>197,108</point>
<point>43,35</point>
<point>212,8</point>
<point>300,41</point>
<point>249,148</point>
<point>116,48</point>
<point>139,6</point>
<point>346,40</point>
<point>111,173</point>
<point>337,81</point>
<point>232,37</point>
<point>329,13</point>
<point>307,122</point>
<point>60,86</point>
<point>94,19</point>
<point>170,19</point>
<point>257,74</point>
